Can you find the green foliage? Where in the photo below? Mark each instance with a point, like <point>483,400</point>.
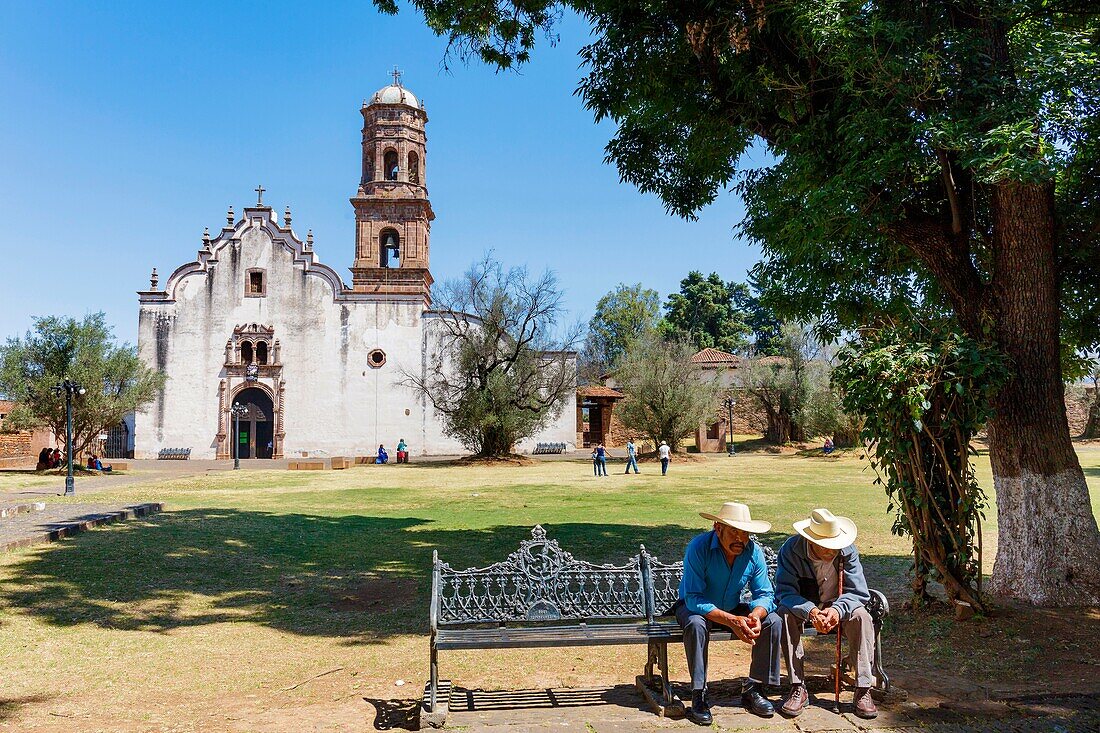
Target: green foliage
<point>705,312</point>
<point>761,315</point>
<point>924,393</point>
<point>116,380</point>
<point>622,316</point>
<point>667,395</point>
<point>499,369</point>
<point>883,124</point>
<point>792,387</point>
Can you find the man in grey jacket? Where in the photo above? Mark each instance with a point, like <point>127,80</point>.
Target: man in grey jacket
<point>807,582</point>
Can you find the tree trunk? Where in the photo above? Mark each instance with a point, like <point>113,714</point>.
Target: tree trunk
<point>1048,544</point>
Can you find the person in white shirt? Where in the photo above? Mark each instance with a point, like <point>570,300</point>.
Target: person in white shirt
<point>664,453</point>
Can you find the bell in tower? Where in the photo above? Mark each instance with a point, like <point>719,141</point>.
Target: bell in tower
<point>392,213</point>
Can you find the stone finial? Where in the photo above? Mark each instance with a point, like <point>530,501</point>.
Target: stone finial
<point>309,241</point>
<point>206,238</point>
<point>286,217</point>
<point>153,279</point>
<point>230,217</point>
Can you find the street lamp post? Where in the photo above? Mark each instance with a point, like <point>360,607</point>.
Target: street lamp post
<point>70,388</point>
<point>237,410</point>
<point>729,403</point>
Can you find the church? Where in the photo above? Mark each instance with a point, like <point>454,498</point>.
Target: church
<point>257,320</point>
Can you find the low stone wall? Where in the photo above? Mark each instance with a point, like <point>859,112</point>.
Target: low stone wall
<point>748,419</point>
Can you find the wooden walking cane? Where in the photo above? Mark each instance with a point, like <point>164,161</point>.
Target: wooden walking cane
<point>839,633</point>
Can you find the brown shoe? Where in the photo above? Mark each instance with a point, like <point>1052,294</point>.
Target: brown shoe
<point>796,701</point>
<point>865,706</point>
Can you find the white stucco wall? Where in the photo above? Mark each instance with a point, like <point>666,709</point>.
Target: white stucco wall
<point>334,402</point>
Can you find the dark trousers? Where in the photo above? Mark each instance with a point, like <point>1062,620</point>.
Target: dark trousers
<point>764,667</point>
<point>664,466</point>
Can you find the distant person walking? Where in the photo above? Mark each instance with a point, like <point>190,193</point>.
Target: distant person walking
<point>664,453</point>
<point>601,459</point>
<point>631,457</point>
<point>402,451</point>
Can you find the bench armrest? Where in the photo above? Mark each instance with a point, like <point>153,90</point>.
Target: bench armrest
<point>878,606</point>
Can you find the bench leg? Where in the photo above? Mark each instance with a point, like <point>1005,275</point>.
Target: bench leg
<point>666,686</point>
<point>880,673</point>
<point>662,700</point>
<point>433,672</point>
<point>435,704</point>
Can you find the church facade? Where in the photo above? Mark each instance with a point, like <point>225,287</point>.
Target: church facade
<point>257,325</point>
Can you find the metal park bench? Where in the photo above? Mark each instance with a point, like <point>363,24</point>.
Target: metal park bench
<point>541,596</point>
<point>174,454</point>
<point>541,448</point>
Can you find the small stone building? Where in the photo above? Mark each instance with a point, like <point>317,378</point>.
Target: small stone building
<point>20,448</point>
<point>597,420</point>
<point>315,365</point>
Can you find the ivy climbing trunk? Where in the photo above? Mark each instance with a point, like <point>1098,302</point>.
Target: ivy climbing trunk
<point>1048,548</point>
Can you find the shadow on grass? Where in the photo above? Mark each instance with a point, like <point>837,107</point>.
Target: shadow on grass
<point>356,578</point>
<point>1093,471</point>
<point>352,577</point>
<point>9,706</point>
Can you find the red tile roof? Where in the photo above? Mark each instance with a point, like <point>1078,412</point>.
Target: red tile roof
<point>714,356</point>
<point>598,390</point>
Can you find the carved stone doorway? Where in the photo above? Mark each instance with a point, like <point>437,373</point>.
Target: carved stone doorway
<point>256,428</point>
<point>253,372</point>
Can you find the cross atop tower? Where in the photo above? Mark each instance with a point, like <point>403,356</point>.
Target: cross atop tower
<point>396,73</point>
<point>259,194</point>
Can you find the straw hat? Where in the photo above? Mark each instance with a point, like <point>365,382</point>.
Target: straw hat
<point>826,530</point>
<point>737,516</point>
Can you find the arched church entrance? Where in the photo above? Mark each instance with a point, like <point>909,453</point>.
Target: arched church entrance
<point>256,432</point>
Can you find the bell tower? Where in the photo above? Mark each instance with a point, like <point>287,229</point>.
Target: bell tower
<point>393,216</point>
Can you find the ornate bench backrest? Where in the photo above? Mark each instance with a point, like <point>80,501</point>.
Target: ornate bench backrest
<point>538,582</point>
<point>666,578</point>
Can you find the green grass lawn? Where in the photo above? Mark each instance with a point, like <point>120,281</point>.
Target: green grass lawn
<point>252,581</point>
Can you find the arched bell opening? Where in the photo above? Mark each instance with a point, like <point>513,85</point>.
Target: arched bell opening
<point>389,252</point>
<point>390,165</point>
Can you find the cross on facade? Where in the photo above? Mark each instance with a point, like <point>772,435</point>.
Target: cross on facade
<point>259,194</point>
<point>396,76</point>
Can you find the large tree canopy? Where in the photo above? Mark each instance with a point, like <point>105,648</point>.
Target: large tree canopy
<point>705,312</point>
<point>622,316</point>
<point>937,154</point>
<point>115,379</point>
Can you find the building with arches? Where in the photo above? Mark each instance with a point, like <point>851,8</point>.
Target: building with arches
<point>258,320</point>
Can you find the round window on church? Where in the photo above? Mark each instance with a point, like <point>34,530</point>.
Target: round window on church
<point>376,358</point>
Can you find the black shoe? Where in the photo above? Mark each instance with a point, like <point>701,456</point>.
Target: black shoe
<point>699,712</point>
<point>753,700</point>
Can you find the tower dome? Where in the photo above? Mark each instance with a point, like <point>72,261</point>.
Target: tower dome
<point>396,94</point>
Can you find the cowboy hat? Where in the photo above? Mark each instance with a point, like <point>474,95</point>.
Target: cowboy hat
<point>737,516</point>
<point>826,530</point>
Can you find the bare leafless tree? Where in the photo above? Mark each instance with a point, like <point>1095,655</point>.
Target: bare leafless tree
<point>501,364</point>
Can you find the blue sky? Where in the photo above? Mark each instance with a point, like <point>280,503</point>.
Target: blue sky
<point>126,127</point>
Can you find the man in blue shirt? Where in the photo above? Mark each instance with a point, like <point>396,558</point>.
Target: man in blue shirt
<point>631,456</point>
<point>718,565</point>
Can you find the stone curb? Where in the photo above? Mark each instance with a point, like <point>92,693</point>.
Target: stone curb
<point>11,511</point>
<point>62,529</point>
